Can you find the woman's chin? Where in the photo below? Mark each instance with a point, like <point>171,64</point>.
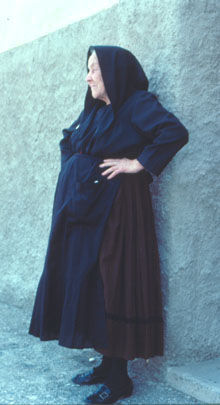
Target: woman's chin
<point>94,95</point>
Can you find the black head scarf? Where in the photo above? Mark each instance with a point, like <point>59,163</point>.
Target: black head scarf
<point>122,75</point>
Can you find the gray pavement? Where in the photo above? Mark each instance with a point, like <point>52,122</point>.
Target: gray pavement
<point>35,373</point>
<point>200,379</point>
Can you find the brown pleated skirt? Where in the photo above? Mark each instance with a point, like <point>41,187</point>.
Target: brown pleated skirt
<point>129,266</point>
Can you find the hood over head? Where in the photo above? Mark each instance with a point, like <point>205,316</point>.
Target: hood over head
<point>122,75</point>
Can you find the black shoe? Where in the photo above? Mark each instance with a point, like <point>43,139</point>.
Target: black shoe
<point>89,378</point>
<point>106,396</point>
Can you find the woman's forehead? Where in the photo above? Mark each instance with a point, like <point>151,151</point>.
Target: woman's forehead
<point>93,60</point>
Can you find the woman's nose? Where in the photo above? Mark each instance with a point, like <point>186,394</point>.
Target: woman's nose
<point>88,77</point>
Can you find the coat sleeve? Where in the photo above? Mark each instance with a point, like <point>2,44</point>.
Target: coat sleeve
<point>65,143</point>
<point>163,132</point>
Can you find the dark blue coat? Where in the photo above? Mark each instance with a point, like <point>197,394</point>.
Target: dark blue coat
<point>69,304</point>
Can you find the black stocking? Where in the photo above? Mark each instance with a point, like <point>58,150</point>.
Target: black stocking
<point>105,366</point>
<point>118,375</point>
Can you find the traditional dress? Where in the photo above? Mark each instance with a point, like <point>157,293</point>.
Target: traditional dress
<point>100,286</point>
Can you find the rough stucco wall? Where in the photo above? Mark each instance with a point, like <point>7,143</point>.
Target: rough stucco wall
<point>193,266</point>
<point>42,91</point>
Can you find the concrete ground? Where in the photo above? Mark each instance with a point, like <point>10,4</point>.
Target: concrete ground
<point>35,373</point>
<point>201,380</point>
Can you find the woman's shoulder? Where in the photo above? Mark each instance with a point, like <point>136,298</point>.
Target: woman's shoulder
<point>140,100</point>
<point>141,97</point>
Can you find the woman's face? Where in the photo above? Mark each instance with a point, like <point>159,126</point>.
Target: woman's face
<point>95,80</point>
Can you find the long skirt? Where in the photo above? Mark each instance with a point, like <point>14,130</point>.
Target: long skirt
<point>129,267</point>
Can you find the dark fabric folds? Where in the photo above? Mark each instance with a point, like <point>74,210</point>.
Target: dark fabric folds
<point>129,266</point>
<point>70,284</point>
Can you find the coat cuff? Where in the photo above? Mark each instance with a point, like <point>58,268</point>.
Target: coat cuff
<point>142,159</point>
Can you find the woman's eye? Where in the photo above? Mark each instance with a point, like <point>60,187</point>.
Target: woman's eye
<point>93,70</point>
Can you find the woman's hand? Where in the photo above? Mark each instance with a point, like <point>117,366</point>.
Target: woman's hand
<point>124,165</point>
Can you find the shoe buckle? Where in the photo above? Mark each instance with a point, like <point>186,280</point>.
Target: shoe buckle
<point>103,395</point>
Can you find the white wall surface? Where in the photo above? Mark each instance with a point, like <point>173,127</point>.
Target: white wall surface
<point>22,21</point>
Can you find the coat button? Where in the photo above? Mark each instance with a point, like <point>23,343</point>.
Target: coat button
<point>96,181</point>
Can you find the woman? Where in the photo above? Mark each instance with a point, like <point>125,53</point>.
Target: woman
<point>100,286</point>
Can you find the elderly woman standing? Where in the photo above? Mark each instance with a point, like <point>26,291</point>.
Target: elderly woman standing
<point>100,286</point>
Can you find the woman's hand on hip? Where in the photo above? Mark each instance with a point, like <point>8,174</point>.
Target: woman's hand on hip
<point>117,166</point>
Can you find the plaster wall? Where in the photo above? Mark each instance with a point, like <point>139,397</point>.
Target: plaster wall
<point>42,91</point>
